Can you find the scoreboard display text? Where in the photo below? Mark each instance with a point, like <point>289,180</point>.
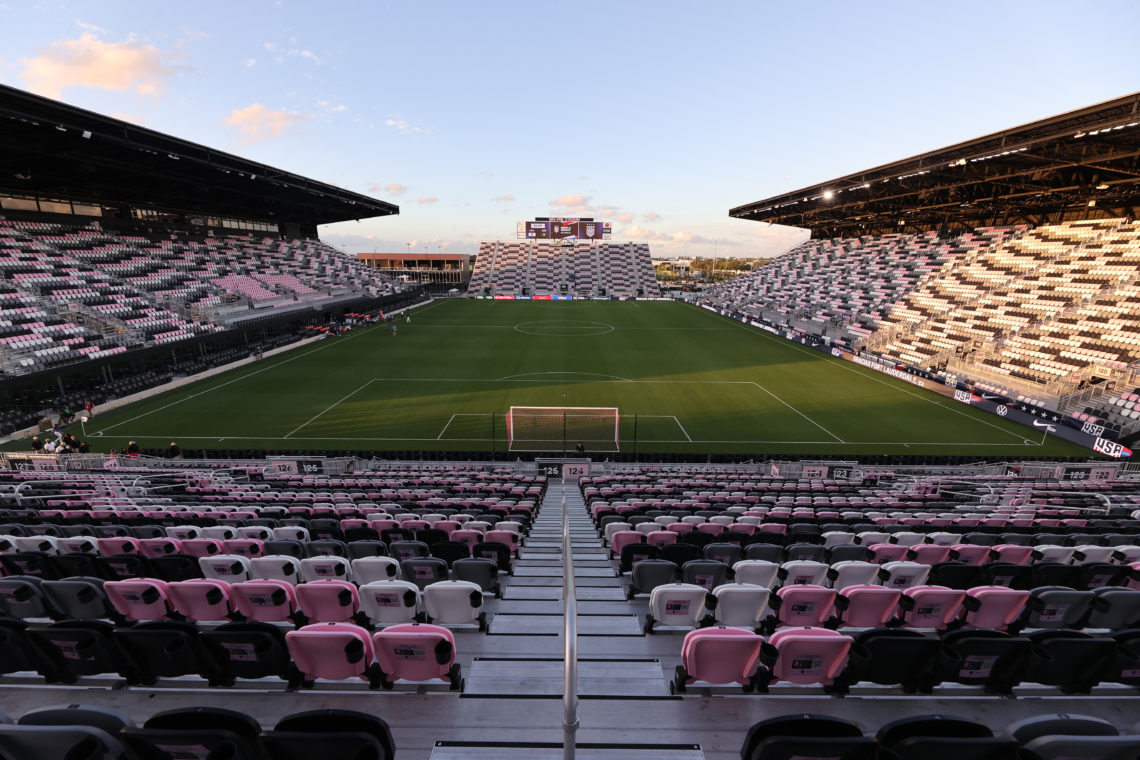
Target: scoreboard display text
<point>564,229</point>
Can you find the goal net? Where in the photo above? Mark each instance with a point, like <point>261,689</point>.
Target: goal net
<point>561,428</point>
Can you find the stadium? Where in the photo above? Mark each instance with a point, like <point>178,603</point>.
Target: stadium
<point>262,500</point>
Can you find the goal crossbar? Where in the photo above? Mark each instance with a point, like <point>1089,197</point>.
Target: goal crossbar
<point>562,428</point>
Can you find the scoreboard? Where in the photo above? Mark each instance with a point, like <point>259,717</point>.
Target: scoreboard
<point>563,229</point>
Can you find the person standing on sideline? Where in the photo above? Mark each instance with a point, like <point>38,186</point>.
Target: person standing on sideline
<point>174,452</point>
<point>133,450</point>
<point>580,450</point>
<point>408,319</point>
<point>90,408</point>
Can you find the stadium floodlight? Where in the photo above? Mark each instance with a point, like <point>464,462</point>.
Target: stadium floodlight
<point>561,428</point>
<point>828,195</point>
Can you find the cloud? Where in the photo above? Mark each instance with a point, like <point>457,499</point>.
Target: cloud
<point>390,189</point>
<point>424,200</point>
<point>309,56</point>
<point>623,218</point>
<point>133,118</point>
<point>257,123</point>
<point>405,127</point>
<point>640,233</point>
<point>651,216</point>
<point>90,62</point>
<point>90,27</point>
<point>190,31</point>
<point>573,201</point>
<point>330,108</point>
<point>250,63</point>
<point>508,198</point>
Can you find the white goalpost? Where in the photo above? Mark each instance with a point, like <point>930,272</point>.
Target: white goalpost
<point>561,428</point>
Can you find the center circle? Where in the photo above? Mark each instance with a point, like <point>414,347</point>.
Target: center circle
<point>563,328</point>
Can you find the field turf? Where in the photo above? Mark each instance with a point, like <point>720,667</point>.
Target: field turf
<point>691,381</point>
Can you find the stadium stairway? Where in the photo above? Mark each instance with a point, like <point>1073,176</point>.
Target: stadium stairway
<point>611,666</point>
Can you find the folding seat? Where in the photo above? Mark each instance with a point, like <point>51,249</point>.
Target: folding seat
<point>944,538</point>
<point>994,660</point>
<point>450,551</point>
<point>329,601</point>
<point>729,554</point>
<point>79,598</point>
<point>908,538</point>
<point>1053,553</point>
<point>30,742</point>
<point>201,547</point>
<point>402,550</point>
<point>21,596</point>
<point>1055,737</point>
<point>676,605</point>
<point>742,605</point>
<point>620,539</point>
<point>852,573</point>
<point>482,572</point>
<point>77,545</point>
<point>884,553</point>
<point>928,554</point>
<point>201,599</point>
<point>121,566</point>
<point>259,532</point>
<point>199,732</point>
<point>499,553</point>
<point>995,607</point>
<point>1012,554</point>
<point>321,528</point>
<point>971,554</point>
<point>416,652</point>
<point>872,537</point>
<point>162,649</point>
<point>276,567</point>
<point>385,600</point>
<point>931,606</point>
<point>808,656</point>
<point>649,574</point>
<point>1014,539</point>
<point>1054,574</point>
<point>1077,661</point>
<point>1115,608</point>
<point>837,537</point>
<point>159,547</point>
<point>1088,554</point>
<point>800,572</point>
<point>455,603</point>
<point>705,573</point>
<point>699,539</point>
<point>632,553</point>
<point>466,535</point>
<point>803,736</point>
<point>806,605</point>
<point>35,544</point>
<point>284,547</point>
<point>291,533</point>
<point>423,570</point>
<point>110,547</point>
<point>868,606</point>
<point>227,567</point>
<point>1056,607</point>
<point>889,656</point>
<point>757,573</point>
<point>848,553</point>
<point>1094,575</point>
<point>326,547</point>
<point>956,575</point>
<point>369,569</point>
<point>76,648</point>
<point>219,532</point>
<point>679,553</point>
<point>18,653</point>
<point>140,598</point>
<point>246,650</point>
<point>358,549</point>
<point>182,532</point>
<point>903,574</point>
<point>329,733</point>
<point>247,547</point>
<point>719,656</point>
<point>267,601</point>
<point>934,737</point>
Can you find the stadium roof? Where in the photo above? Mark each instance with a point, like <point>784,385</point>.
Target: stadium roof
<point>55,150</point>
<point>1078,165</point>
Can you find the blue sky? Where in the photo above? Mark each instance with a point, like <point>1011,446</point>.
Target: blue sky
<point>658,116</point>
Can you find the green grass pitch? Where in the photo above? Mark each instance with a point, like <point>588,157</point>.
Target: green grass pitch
<point>695,382</point>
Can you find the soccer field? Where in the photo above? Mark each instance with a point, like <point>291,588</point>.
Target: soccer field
<point>685,380</point>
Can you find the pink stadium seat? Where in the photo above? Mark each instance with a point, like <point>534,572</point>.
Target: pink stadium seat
<point>333,651</point>
<point>995,607</point>
<point>809,655</point>
<point>139,598</point>
<point>869,606</point>
<point>266,601</point>
<point>806,605</point>
<point>719,656</point>
<point>329,601</point>
<point>416,652</point>
<point>201,599</point>
<point>931,606</point>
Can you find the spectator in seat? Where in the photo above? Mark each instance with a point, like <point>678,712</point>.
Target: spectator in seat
<point>133,450</point>
<point>37,444</point>
<point>173,452</point>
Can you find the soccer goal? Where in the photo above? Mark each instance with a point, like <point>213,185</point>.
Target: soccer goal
<point>561,428</point>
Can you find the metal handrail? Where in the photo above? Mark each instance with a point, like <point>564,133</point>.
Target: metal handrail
<point>570,638</point>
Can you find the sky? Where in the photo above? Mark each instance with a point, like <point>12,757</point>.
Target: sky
<point>657,116</point>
